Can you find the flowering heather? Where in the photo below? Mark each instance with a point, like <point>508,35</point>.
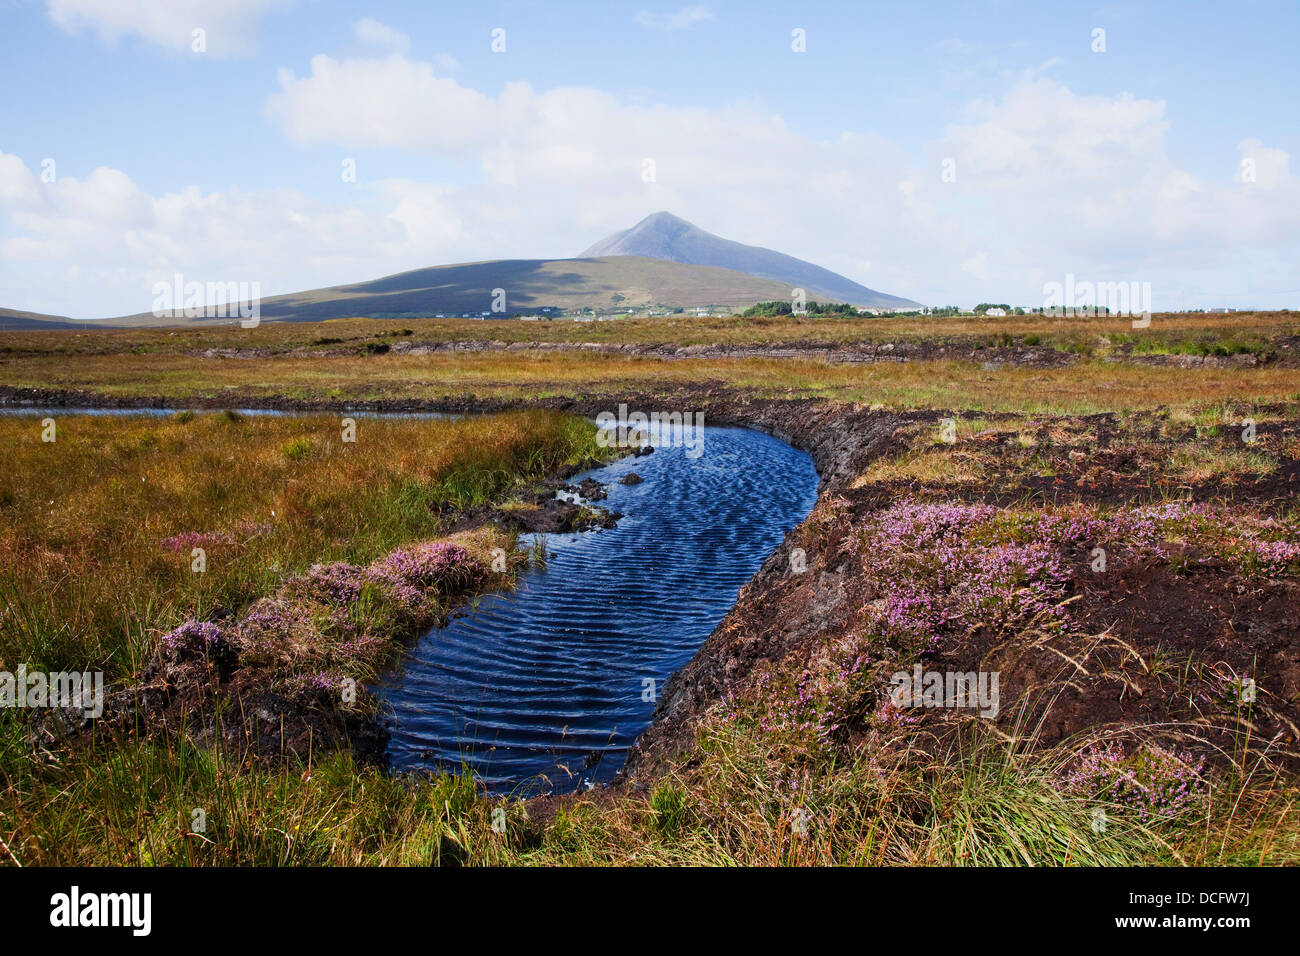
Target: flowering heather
<point>339,619</point>
<point>942,569</point>
<point>210,539</point>
<point>799,711</point>
<point>411,577</point>
<point>955,565</point>
<point>195,539</point>
<point>315,683</point>
<point>195,640</point>
<point>1154,783</point>
<point>919,525</point>
<point>337,584</point>
<point>816,707</point>
<point>445,566</point>
<point>945,570</point>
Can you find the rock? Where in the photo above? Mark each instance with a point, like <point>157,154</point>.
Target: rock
<point>591,489</point>
<point>631,478</point>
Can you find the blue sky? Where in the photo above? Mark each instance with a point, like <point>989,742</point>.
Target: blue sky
<point>1115,165</point>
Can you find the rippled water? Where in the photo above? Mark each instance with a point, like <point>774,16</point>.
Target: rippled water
<point>544,687</point>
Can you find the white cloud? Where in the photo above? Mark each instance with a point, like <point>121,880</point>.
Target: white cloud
<point>1095,177</point>
<point>229,25</point>
<point>680,19</point>
<point>1261,166</point>
<point>373,32</point>
<point>94,247</point>
<point>379,102</point>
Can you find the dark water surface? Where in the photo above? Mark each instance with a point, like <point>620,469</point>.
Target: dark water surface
<point>542,688</point>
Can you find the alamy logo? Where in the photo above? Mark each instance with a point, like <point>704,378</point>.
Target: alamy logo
<point>82,691</point>
<point>211,300</point>
<point>74,908</point>
<point>954,689</point>
<point>661,430</point>
<point>1088,299</point>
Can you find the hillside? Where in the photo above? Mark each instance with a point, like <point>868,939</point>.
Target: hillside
<point>13,320</point>
<point>662,261</point>
<point>530,284</point>
<point>665,236</point>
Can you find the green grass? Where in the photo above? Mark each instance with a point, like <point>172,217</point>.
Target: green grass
<point>981,802</point>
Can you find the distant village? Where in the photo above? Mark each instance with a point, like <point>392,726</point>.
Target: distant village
<point>722,311</point>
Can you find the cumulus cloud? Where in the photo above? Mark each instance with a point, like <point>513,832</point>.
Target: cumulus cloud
<point>380,102</point>
<point>229,25</point>
<point>374,32</point>
<point>94,246</point>
<point>1093,176</point>
<point>679,19</point>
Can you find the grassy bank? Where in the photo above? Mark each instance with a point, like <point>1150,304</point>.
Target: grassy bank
<point>103,525</point>
<point>740,799</point>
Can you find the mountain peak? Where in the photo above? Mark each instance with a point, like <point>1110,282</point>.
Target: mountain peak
<point>663,216</point>
<point>659,236</point>
<point>662,235</point>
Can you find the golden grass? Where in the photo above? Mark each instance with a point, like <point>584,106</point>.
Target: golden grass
<point>1087,387</point>
<point>99,527</point>
<point>1167,330</point>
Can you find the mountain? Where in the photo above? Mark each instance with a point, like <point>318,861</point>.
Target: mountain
<point>600,284</point>
<point>665,236</point>
<point>14,320</point>
<point>661,261</point>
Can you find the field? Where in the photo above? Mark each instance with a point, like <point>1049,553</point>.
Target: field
<point>971,471</point>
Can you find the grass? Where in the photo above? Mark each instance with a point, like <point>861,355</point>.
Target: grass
<point>100,527</point>
<point>741,796</point>
<point>980,802</point>
<point>1089,387</point>
<point>1176,333</point>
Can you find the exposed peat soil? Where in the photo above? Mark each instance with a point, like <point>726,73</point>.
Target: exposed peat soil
<point>1160,639</point>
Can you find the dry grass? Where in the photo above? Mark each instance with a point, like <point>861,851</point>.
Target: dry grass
<point>100,526</point>
<point>1081,389</point>
<point>1168,332</point>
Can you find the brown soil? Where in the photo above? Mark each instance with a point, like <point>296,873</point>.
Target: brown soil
<point>1284,352</point>
<point>1209,618</point>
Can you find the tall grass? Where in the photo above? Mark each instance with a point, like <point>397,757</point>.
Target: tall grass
<point>1084,388</point>
<point>982,801</point>
<point>98,529</point>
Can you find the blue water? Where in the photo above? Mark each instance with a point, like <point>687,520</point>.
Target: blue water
<point>544,688</point>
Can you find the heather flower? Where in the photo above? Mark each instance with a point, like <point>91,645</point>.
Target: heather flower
<point>196,640</point>
<point>442,566</point>
<point>1156,784</point>
<point>195,539</point>
<point>317,685</point>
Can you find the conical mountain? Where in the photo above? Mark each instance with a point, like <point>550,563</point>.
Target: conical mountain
<point>665,236</point>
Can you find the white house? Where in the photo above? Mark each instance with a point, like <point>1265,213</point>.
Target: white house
<point>996,312</point>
